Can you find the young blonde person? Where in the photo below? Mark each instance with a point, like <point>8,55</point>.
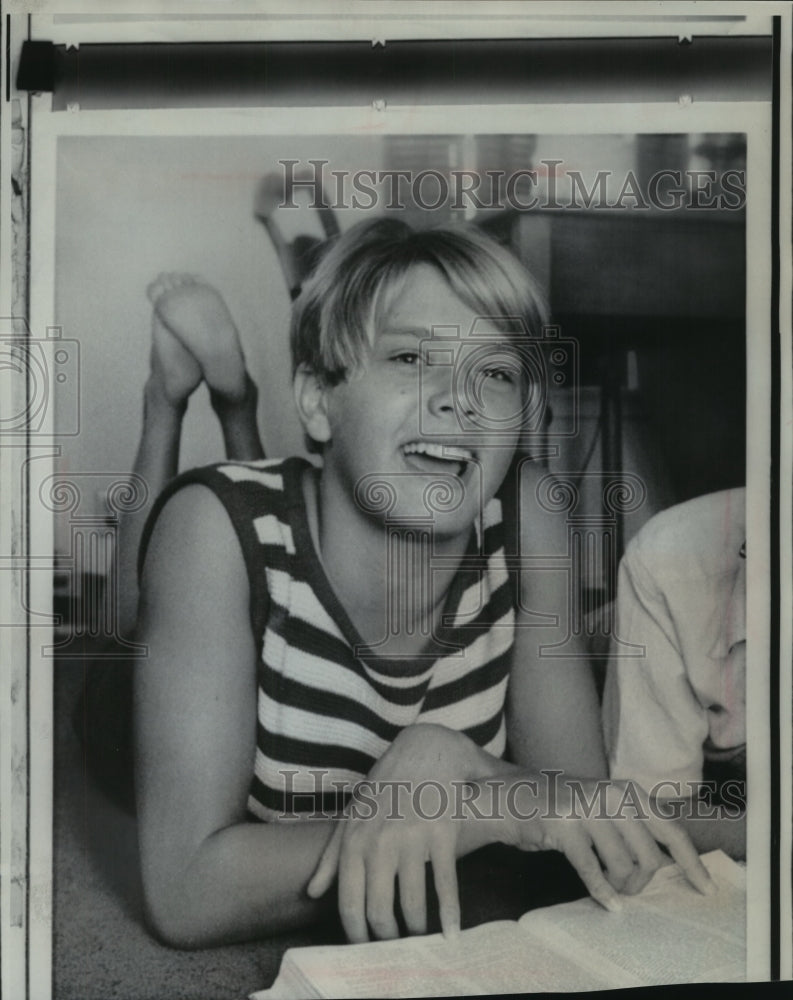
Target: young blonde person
<point>319,629</point>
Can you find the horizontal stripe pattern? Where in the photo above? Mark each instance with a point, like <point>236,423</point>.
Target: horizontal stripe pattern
<point>325,715</point>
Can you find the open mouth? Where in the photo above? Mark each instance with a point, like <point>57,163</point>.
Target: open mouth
<point>426,456</point>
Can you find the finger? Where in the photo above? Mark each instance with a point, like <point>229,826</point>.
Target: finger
<point>645,817</point>
<point>380,876</point>
<point>413,893</point>
<point>580,854</point>
<point>352,895</point>
<point>649,857</point>
<point>444,873</point>
<point>674,837</point>
<point>325,872</point>
<point>615,856</point>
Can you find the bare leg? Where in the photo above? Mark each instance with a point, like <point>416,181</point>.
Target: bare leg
<point>199,320</point>
<point>297,257</point>
<point>238,423</point>
<point>193,339</point>
<point>174,375</point>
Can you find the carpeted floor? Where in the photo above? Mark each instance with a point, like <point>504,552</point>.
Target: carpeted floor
<point>101,949</point>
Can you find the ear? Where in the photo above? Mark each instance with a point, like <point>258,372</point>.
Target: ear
<point>312,404</point>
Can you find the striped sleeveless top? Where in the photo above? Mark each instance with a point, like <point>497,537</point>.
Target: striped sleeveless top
<point>327,705</point>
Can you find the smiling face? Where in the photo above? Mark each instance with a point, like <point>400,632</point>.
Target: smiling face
<point>407,419</point>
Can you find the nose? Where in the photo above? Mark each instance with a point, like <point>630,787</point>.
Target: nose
<point>439,391</point>
<point>727,718</point>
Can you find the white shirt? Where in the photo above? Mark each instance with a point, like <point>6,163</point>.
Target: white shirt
<point>682,596</point>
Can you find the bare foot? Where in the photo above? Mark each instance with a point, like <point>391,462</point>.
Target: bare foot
<point>196,316</point>
<point>174,370</point>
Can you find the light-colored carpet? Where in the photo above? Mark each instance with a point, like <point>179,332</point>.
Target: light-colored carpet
<point>101,948</point>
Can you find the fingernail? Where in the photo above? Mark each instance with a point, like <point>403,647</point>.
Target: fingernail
<point>452,933</point>
<point>613,904</point>
<point>709,887</point>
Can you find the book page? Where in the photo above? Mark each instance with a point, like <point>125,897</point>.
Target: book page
<point>670,933</point>
<point>489,959</point>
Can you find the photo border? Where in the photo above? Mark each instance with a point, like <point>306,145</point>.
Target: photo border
<point>767,507</point>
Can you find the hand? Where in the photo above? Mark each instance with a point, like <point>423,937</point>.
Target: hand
<point>608,830</point>
<point>392,829</point>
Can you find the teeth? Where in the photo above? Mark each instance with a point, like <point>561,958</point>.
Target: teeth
<point>442,451</point>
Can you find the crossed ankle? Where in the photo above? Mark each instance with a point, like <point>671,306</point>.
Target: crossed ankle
<point>225,403</point>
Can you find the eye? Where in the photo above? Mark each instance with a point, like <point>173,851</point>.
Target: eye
<point>502,373</point>
<point>406,357</point>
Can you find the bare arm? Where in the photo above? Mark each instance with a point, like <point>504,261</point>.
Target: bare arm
<point>210,876</point>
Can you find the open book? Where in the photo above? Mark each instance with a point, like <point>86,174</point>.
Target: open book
<point>667,934</point>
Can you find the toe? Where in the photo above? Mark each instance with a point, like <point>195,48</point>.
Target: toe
<point>155,289</point>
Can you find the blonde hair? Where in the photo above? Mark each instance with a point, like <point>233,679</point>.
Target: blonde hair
<point>334,316</point>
